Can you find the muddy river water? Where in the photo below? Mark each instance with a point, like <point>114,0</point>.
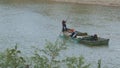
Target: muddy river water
<point>32,23</point>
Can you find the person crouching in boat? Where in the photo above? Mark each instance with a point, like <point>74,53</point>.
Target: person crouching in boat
<point>74,34</point>
<point>94,37</point>
<point>64,27</point>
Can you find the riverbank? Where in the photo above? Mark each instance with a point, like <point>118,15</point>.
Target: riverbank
<point>95,2</point>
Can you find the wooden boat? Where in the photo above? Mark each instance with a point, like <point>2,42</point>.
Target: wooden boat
<point>89,41</point>
<point>84,38</point>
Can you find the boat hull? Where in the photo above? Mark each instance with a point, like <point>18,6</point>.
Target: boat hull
<point>86,39</point>
<point>100,41</point>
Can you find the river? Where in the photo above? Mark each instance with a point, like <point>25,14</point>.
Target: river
<point>30,24</point>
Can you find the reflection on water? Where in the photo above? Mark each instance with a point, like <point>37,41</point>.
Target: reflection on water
<point>29,24</point>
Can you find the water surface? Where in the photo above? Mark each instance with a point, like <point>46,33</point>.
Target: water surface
<point>30,24</point>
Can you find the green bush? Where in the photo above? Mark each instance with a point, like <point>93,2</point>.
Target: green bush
<point>76,62</point>
<point>11,58</point>
<point>49,54</point>
<point>42,58</point>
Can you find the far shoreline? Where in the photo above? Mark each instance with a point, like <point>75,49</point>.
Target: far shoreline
<point>109,3</point>
<point>91,3</point>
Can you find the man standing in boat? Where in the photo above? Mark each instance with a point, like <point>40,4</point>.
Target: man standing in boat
<point>64,27</point>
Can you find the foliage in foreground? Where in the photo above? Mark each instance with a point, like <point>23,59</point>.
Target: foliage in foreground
<point>42,58</point>
<point>11,58</point>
